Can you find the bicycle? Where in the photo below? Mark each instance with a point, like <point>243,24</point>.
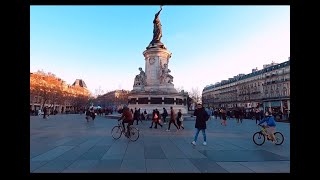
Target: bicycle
<point>117,131</point>
<point>262,134</point>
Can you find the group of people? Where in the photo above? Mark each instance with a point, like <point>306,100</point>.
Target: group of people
<point>175,119</point>
<point>202,116</point>
<point>129,116</point>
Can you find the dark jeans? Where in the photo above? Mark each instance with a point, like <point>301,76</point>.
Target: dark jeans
<point>257,120</point>
<point>164,118</point>
<point>156,122</point>
<point>179,123</point>
<point>138,119</point>
<point>130,122</point>
<point>174,122</point>
<point>203,134</point>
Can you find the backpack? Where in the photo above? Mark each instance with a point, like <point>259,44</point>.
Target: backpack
<point>207,117</point>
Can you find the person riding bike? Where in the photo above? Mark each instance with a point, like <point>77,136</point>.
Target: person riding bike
<point>270,127</point>
<point>127,118</point>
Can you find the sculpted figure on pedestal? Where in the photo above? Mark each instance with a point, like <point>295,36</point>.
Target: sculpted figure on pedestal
<point>165,77</point>
<point>140,79</point>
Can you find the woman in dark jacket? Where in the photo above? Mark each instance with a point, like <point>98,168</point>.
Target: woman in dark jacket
<point>224,117</point>
<point>179,122</point>
<point>201,118</point>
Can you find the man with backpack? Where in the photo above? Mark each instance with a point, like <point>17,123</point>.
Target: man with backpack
<point>201,119</point>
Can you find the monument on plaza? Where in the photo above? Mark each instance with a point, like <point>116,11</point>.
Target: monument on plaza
<point>154,88</point>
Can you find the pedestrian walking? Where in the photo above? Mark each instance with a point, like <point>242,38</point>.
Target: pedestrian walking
<point>201,123</point>
<point>172,119</point>
<point>180,120</point>
<point>164,115</point>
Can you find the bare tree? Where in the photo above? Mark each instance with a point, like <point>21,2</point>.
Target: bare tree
<point>179,89</point>
<point>98,92</point>
<point>195,95</point>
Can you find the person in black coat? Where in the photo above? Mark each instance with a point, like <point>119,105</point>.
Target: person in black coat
<point>164,115</point>
<point>257,116</point>
<point>45,112</point>
<point>135,115</point>
<point>179,122</point>
<point>201,123</point>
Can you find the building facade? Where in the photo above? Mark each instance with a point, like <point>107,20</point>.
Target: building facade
<point>62,105</point>
<point>113,98</point>
<point>266,89</point>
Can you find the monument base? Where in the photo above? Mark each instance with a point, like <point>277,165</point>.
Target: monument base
<point>165,89</point>
<point>149,101</point>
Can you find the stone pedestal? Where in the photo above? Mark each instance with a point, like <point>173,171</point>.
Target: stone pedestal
<point>158,91</point>
<point>155,58</point>
<point>150,101</point>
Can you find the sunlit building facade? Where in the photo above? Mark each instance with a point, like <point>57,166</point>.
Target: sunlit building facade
<point>113,98</point>
<point>62,105</point>
<point>266,89</point>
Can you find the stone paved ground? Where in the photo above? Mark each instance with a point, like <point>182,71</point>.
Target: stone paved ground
<point>67,143</point>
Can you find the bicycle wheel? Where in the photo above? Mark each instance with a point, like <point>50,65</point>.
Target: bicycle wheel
<point>258,138</point>
<point>116,132</point>
<point>134,134</point>
<point>279,138</point>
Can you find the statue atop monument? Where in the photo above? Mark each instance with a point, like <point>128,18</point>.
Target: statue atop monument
<point>157,30</point>
<point>165,77</point>
<point>140,79</point>
<point>153,87</point>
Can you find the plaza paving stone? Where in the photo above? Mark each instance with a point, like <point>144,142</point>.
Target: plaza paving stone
<point>67,144</point>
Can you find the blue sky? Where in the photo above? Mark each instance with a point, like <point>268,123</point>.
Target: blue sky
<point>103,45</point>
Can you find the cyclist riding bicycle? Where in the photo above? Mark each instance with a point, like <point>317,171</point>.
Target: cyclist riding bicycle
<point>127,115</point>
<point>270,125</point>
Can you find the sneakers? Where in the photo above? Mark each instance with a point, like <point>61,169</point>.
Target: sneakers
<point>193,143</point>
<point>168,130</point>
<point>204,143</point>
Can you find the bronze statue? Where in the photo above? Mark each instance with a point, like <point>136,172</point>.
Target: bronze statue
<point>157,31</point>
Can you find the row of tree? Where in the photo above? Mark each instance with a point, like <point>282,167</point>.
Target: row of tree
<point>55,91</point>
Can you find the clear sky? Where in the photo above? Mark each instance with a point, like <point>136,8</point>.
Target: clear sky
<point>103,45</point>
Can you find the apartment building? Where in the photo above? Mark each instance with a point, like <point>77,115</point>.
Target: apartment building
<point>266,89</point>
